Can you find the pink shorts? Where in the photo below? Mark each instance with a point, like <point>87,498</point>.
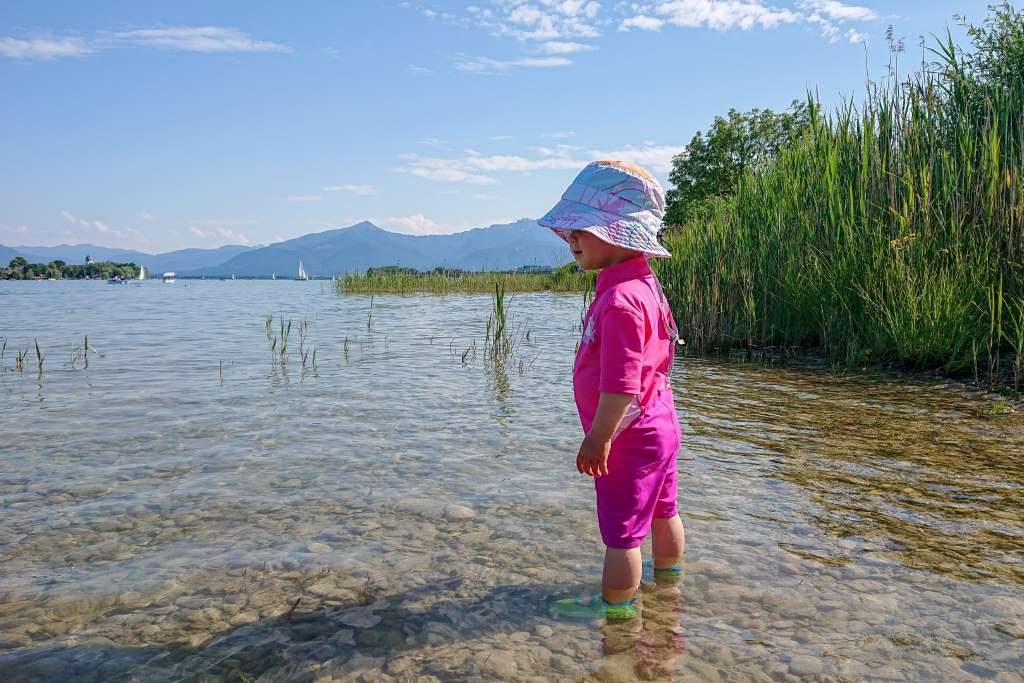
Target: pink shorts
<point>641,483</point>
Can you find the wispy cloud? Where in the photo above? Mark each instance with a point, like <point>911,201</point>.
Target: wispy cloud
<point>479,169</point>
<point>433,142</point>
<point>855,36</point>
<point>488,65</point>
<point>183,38</point>
<point>147,216</point>
<point>420,70</point>
<point>197,39</point>
<point>210,222</point>
<point>558,47</point>
<point>104,228</point>
<point>416,224</point>
<point>643,22</point>
<point>558,134</point>
<point>233,236</point>
<point>43,48</point>
<point>197,232</point>
<point>304,198</point>
<point>724,15</point>
<point>727,15</point>
<point>362,190</point>
<point>838,10</point>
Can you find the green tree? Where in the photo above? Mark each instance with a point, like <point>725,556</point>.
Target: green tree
<point>713,162</point>
<point>18,263</point>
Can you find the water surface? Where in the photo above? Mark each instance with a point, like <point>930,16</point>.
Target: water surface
<point>188,507</point>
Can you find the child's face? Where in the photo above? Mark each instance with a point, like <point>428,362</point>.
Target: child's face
<point>592,253</point>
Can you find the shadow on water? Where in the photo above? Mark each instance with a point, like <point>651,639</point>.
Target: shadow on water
<point>382,633</point>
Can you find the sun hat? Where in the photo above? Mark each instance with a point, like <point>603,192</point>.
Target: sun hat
<point>617,202</point>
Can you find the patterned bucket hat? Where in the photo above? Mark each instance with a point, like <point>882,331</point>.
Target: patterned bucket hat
<point>618,202</point>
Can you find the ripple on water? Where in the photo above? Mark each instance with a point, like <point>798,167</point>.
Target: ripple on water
<point>398,512</point>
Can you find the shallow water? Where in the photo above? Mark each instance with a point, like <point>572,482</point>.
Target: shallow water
<point>189,508</point>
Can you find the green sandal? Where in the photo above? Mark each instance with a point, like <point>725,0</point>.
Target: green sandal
<point>592,607</point>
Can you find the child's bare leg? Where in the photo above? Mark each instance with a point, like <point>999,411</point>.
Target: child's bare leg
<point>668,541</point>
<point>622,568</point>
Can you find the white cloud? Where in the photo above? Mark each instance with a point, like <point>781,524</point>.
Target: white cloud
<point>197,39</point>
<point>433,142</point>
<point>225,221</point>
<point>442,170</point>
<point>43,48</point>
<point>303,198</point>
<point>196,231</point>
<point>361,190</point>
<point>499,138</point>
<point>545,20</point>
<point>657,158</point>
<point>642,22</point>
<point>232,236</point>
<point>420,70</point>
<point>488,65</point>
<point>475,168</point>
<point>855,36</point>
<point>147,216</point>
<point>104,228</point>
<point>838,10</point>
<point>416,224</point>
<point>724,15</point>
<point>558,135</point>
<point>558,47</point>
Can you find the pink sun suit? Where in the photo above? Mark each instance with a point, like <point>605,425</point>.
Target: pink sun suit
<point>627,348</point>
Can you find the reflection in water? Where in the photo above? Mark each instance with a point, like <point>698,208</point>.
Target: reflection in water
<point>367,520</point>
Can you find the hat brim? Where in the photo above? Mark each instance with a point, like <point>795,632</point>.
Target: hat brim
<point>611,228</point>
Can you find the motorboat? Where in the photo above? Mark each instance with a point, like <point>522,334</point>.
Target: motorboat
<point>168,277</point>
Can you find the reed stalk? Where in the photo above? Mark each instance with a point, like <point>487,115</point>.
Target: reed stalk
<point>889,233</point>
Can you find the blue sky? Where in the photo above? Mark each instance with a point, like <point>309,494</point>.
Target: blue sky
<point>158,126</point>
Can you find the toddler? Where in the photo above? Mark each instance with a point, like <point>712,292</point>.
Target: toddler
<point>610,216</point>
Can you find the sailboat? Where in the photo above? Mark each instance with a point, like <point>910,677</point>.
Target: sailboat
<point>142,272</point>
<point>273,276</point>
<point>302,273</point>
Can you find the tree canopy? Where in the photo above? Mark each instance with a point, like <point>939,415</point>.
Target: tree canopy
<point>713,162</point>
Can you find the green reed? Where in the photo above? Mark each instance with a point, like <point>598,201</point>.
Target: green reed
<point>890,233</point>
<point>564,279</point>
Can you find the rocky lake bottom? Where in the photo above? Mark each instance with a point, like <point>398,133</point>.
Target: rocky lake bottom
<point>190,508</point>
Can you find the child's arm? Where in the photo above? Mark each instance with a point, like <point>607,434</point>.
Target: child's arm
<point>592,458</point>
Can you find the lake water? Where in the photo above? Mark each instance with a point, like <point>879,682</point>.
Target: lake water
<point>188,507</point>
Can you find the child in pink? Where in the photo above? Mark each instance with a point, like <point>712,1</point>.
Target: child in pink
<point>610,216</point>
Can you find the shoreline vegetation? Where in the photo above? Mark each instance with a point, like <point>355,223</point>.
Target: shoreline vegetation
<point>885,234</point>
<point>20,269</point>
<point>398,280</point>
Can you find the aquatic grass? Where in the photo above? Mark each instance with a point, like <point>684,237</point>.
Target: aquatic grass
<point>565,279</point>
<point>887,234</point>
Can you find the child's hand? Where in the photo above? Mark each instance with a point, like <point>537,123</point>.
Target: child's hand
<point>592,459</point>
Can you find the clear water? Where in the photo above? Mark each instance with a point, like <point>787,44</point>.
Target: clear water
<point>189,508</point>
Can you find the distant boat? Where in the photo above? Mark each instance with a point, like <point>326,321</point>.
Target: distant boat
<point>168,277</point>
<point>142,272</point>
<point>273,276</point>
<point>302,273</point>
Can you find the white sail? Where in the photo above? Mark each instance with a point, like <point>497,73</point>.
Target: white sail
<point>142,272</point>
<point>302,272</point>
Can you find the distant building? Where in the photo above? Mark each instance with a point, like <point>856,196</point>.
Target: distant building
<point>88,259</point>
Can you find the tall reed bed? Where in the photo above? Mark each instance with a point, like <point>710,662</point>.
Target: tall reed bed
<point>565,279</point>
<point>887,233</point>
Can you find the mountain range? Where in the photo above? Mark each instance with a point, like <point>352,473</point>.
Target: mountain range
<point>341,250</point>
